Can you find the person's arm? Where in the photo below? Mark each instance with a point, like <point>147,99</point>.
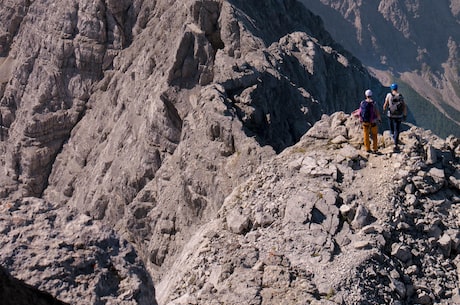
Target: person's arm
<point>385,105</point>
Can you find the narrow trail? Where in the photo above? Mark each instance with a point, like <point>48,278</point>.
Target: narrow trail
<point>378,178</point>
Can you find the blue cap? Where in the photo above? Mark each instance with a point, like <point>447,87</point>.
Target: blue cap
<point>394,86</point>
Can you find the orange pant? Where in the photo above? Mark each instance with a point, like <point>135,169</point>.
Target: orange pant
<point>370,130</point>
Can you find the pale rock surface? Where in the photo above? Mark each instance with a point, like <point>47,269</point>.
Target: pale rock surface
<point>71,255</point>
<point>189,129</point>
<point>309,253</point>
<point>145,115</point>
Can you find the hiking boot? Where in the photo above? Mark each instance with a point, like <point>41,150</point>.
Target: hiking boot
<point>377,152</point>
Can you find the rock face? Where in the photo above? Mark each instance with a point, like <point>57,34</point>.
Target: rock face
<point>71,256</point>
<point>325,223</point>
<point>15,292</point>
<point>415,43</point>
<point>175,124</point>
<point>87,66</point>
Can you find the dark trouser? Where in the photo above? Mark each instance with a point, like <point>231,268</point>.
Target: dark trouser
<point>395,127</point>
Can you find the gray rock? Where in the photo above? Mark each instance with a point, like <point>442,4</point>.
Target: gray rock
<point>361,218</point>
<point>237,222</point>
<point>45,245</point>
<point>362,244</point>
<point>349,152</point>
<point>398,287</point>
<point>424,298</point>
<point>15,292</point>
<point>321,129</point>
<point>431,155</point>
<point>456,296</point>
<point>445,243</point>
<point>454,180</point>
<point>401,252</point>
<point>190,128</point>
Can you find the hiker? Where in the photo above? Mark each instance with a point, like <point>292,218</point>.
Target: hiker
<point>397,112</point>
<point>369,116</point>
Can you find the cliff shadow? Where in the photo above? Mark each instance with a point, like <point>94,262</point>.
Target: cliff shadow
<point>274,111</point>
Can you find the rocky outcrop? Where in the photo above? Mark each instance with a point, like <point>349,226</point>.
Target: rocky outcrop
<point>58,68</point>
<point>326,223</point>
<point>107,111</point>
<point>59,53</point>
<point>322,222</point>
<point>70,256</point>
<point>175,124</point>
<point>15,292</point>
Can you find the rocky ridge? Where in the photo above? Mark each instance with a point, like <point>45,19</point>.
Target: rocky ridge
<point>326,223</point>
<point>177,143</point>
<point>114,113</point>
<point>323,222</point>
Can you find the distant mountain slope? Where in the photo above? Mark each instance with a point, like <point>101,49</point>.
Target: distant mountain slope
<point>415,43</point>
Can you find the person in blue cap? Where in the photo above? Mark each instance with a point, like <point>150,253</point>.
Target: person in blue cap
<point>397,112</point>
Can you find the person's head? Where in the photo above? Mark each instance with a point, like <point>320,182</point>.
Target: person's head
<point>394,87</point>
<point>368,93</point>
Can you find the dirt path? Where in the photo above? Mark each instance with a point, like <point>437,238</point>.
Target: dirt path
<point>374,183</point>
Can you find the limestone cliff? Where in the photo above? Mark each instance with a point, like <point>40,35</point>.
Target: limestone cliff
<point>109,108</point>
<point>149,117</point>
